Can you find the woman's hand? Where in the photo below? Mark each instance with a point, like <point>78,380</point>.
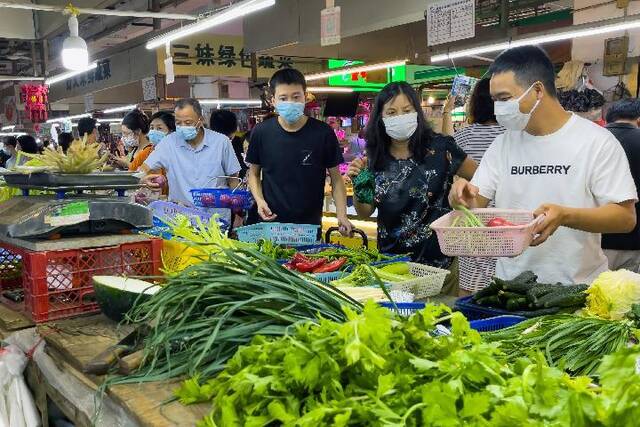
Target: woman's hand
<point>356,166</point>
<point>121,162</point>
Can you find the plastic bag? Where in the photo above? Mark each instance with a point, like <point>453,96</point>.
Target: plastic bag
<point>17,407</point>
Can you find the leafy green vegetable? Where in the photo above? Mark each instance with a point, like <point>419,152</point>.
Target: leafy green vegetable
<point>364,275</point>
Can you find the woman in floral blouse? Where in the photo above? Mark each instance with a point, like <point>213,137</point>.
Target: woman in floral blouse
<point>413,169</point>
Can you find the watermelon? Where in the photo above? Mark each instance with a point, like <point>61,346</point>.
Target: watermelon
<point>116,295</point>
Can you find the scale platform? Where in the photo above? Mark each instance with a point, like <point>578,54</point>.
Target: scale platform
<point>46,216</point>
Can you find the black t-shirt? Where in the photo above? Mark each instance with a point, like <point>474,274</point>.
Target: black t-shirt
<point>410,195</point>
<point>294,167</point>
<point>238,148</point>
<point>629,137</point>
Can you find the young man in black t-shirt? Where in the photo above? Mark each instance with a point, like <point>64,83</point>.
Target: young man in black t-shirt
<point>289,156</point>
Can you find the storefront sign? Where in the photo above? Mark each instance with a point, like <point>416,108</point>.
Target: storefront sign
<point>124,67</point>
<point>89,78</point>
<point>330,26</point>
<point>221,55</point>
<point>365,80</point>
<point>450,20</point>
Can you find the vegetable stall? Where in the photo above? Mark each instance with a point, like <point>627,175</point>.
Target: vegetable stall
<point>229,332</point>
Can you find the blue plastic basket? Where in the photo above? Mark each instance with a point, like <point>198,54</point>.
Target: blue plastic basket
<point>474,311</point>
<point>495,323</point>
<point>279,233</point>
<point>222,198</point>
<point>329,277</point>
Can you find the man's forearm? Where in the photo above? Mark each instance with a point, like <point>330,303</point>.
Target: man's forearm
<point>255,186</point>
<point>611,218</point>
<point>339,193</point>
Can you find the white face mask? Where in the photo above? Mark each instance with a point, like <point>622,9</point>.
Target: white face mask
<point>508,113</point>
<point>402,127</point>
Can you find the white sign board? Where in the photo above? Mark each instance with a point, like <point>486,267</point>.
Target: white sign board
<point>330,26</point>
<point>450,20</point>
<point>149,89</point>
<point>89,102</point>
<point>168,70</point>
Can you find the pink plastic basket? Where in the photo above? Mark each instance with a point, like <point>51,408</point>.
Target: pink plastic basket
<point>486,241</point>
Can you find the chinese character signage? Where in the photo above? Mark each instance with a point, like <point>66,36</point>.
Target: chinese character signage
<point>88,78</point>
<point>35,99</point>
<point>220,55</point>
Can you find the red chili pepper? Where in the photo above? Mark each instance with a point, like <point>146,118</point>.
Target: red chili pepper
<point>499,222</point>
<point>299,258</point>
<point>308,267</point>
<point>329,267</point>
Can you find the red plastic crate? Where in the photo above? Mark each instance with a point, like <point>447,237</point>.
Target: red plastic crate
<point>10,270</point>
<point>58,284</point>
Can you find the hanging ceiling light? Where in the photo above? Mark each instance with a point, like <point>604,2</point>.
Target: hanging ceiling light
<point>75,55</point>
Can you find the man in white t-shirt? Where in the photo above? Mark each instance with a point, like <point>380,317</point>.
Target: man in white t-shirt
<point>555,163</point>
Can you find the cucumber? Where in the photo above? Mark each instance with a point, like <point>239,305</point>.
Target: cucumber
<point>556,295</point>
<point>490,290</point>
<point>490,301</point>
<point>540,289</point>
<point>514,304</point>
<point>510,295</point>
<point>569,300</point>
<point>521,283</point>
<point>535,313</point>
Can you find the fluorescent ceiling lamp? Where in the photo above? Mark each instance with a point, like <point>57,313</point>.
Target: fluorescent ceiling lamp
<point>75,55</point>
<point>358,69</point>
<point>329,89</point>
<point>69,74</point>
<point>118,109</point>
<point>19,78</point>
<point>64,119</point>
<point>237,10</point>
<point>111,120</point>
<point>584,31</point>
<point>230,102</point>
<point>12,127</point>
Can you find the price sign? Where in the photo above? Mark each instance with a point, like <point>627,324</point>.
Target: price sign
<point>330,26</point>
<point>450,20</point>
<point>149,89</point>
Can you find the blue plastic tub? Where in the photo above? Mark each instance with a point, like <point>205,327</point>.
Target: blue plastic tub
<point>222,198</point>
<point>495,323</point>
<point>473,311</point>
<point>279,233</point>
<point>405,309</point>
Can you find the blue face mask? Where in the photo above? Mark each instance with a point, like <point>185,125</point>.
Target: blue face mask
<point>155,136</point>
<point>188,133</point>
<point>290,111</point>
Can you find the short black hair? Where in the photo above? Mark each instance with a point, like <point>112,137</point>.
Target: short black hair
<point>64,141</point>
<point>190,102</point>
<point>11,140</point>
<point>624,109</point>
<point>481,103</point>
<point>136,120</point>
<point>287,76</point>
<point>224,122</point>
<point>28,144</point>
<point>86,125</point>
<point>529,64</point>
<point>167,118</point>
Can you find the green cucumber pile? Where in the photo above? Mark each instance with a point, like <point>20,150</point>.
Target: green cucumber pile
<point>524,296</point>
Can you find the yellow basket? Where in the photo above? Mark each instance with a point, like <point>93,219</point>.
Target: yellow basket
<point>176,256</point>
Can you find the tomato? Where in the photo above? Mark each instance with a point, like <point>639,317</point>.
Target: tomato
<point>499,222</point>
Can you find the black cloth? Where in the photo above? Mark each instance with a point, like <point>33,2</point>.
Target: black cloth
<point>238,148</point>
<point>294,168</point>
<point>410,195</point>
<point>629,137</point>
<point>3,159</point>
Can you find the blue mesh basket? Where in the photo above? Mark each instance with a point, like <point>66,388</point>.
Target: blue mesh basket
<point>330,277</point>
<point>222,198</point>
<point>495,323</point>
<point>279,233</point>
<point>405,309</point>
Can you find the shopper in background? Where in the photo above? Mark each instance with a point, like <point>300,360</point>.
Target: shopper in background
<point>475,139</point>
<point>162,124</point>
<point>226,123</point>
<point>553,163</point>
<point>10,151</point>
<point>64,141</point>
<point>289,156</point>
<point>414,168</point>
<point>193,157</point>
<point>87,126</point>
<point>27,144</point>
<point>623,117</point>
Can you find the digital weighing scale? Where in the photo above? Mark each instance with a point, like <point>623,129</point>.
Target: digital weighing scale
<point>69,209</point>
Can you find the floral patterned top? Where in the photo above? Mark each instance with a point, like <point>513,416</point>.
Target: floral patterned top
<point>411,195</point>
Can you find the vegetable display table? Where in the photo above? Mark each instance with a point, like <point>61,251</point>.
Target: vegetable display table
<point>57,375</point>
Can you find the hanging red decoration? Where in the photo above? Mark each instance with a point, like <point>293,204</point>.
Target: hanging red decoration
<point>35,99</point>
